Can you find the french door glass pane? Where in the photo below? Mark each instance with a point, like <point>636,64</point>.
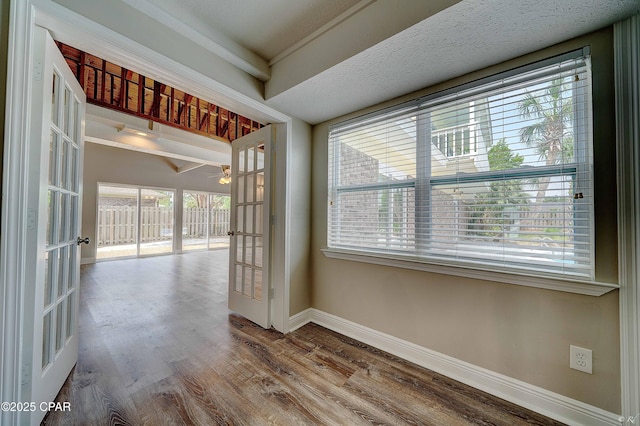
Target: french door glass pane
<point>46,339</point>
<point>250,188</point>
<point>257,285</point>
<point>248,281</point>
<point>64,224</point>
<point>75,178</point>
<point>73,217</point>
<point>238,279</point>
<point>241,162</point>
<point>260,158</point>
<point>250,159</point>
<point>55,93</point>
<point>258,219</point>
<point>52,201</point>
<point>240,248</point>
<point>248,253</point>
<point>258,252</point>
<point>75,129</point>
<point>60,325</point>
<point>260,187</point>
<point>53,158</point>
<point>71,279</point>
<point>63,269</point>
<point>67,110</point>
<point>240,219</point>
<point>64,164</point>
<point>70,313</point>
<point>49,261</point>
<point>248,223</point>
<point>240,186</point>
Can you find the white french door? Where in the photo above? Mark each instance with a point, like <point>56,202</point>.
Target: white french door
<point>250,226</point>
<point>53,223</point>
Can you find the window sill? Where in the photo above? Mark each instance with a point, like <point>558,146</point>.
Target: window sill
<point>590,288</point>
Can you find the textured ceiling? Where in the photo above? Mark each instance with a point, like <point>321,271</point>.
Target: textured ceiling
<point>459,37</point>
<point>266,27</point>
<point>465,37</point>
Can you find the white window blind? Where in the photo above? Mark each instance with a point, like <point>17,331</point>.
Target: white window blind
<point>496,174</point>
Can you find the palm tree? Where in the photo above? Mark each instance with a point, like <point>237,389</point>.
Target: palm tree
<point>552,133</point>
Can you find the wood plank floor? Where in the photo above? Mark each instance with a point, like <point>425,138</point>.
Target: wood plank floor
<point>159,347</point>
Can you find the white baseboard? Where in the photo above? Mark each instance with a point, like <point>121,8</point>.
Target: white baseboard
<point>300,319</point>
<point>87,260</point>
<point>540,400</point>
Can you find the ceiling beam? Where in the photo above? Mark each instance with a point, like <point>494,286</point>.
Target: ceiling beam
<point>212,40</point>
<point>189,167</point>
<point>340,41</point>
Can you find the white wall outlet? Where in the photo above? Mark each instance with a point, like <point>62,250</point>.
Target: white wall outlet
<point>581,359</point>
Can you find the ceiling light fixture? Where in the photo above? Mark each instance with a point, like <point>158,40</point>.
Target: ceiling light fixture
<point>142,133</point>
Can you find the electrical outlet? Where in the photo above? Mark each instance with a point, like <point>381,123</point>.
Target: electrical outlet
<point>581,359</point>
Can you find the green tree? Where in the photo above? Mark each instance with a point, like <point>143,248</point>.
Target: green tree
<point>488,211</point>
<point>552,132</point>
<point>502,158</point>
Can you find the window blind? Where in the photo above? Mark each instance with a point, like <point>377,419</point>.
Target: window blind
<point>497,174</point>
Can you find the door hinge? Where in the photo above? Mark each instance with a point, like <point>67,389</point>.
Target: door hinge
<point>26,373</point>
<point>37,71</point>
<point>273,220</point>
<point>272,293</point>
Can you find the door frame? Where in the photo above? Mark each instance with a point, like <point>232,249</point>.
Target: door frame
<point>13,220</point>
<point>14,204</point>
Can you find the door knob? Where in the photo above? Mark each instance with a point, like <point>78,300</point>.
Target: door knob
<point>85,240</point>
<point>231,233</point>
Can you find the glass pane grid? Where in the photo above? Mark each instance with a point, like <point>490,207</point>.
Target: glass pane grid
<point>249,202</point>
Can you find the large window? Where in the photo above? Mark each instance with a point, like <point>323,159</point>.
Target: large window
<point>495,175</point>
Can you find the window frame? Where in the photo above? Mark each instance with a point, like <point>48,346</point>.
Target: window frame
<point>424,259</point>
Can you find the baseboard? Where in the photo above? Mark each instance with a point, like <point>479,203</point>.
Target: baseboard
<point>540,400</point>
<point>87,260</point>
<point>300,319</point>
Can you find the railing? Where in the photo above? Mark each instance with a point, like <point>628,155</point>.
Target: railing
<point>117,224</point>
<point>456,141</point>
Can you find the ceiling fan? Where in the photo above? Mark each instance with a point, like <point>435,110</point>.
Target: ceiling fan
<point>224,175</point>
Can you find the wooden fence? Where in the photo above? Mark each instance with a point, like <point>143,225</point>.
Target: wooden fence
<point>117,224</point>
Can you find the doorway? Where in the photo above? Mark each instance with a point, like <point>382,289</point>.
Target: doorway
<point>16,217</point>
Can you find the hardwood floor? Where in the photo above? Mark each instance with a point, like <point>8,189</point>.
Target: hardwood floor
<point>159,347</point>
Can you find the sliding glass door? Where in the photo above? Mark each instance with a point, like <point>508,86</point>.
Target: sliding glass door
<point>205,220</point>
<point>117,222</point>
<point>156,221</point>
<point>134,221</point>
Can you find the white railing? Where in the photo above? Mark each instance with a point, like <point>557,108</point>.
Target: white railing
<point>456,141</point>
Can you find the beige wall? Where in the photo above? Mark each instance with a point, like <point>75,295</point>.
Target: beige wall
<point>521,332</point>
<point>106,164</point>
<point>300,198</point>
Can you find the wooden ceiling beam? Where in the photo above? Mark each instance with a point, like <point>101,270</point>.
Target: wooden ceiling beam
<point>100,78</point>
